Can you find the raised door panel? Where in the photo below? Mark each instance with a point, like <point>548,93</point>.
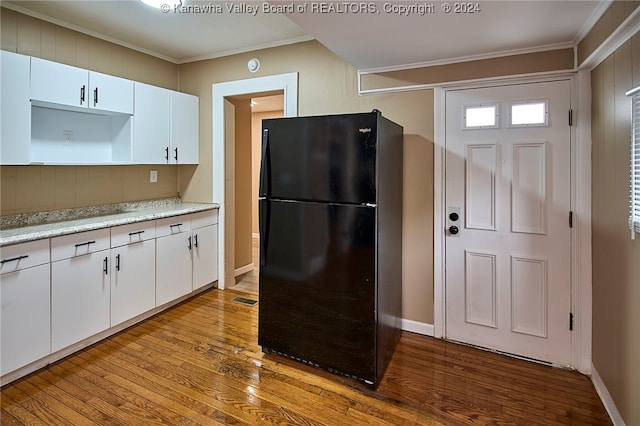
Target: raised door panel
<point>80,298</point>
<point>15,109</point>
<point>173,267</point>
<point>25,317</point>
<point>184,128</point>
<point>133,279</point>
<point>150,124</point>
<point>109,93</point>
<point>56,83</point>
<point>205,255</point>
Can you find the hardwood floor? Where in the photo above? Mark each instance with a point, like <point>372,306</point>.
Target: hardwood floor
<point>199,364</point>
<point>248,283</point>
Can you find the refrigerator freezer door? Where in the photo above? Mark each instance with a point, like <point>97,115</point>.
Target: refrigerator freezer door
<point>326,159</point>
<point>317,288</point>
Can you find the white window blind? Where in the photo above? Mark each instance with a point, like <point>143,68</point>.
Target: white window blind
<point>634,216</point>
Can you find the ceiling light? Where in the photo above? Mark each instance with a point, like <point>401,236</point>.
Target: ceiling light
<point>164,5</point>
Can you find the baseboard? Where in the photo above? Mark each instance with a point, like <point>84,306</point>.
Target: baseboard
<point>605,397</point>
<point>244,269</point>
<point>418,327</point>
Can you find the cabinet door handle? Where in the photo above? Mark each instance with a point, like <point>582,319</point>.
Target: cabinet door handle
<point>82,90</point>
<point>95,96</point>
<point>85,244</point>
<point>189,239</point>
<point>135,233</point>
<point>176,156</point>
<point>106,266</point>
<point>14,259</point>
<point>166,154</point>
<point>118,262</point>
<point>195,238</point>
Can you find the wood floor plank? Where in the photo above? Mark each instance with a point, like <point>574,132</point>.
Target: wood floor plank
<point>199,363</point>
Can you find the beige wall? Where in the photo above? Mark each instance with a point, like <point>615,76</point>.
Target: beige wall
<point>328,85</point>
<point>243,175</point>
<point>37,188</point>
<point>616,258</point>
<point>552,60</point>
<point>608,22</point>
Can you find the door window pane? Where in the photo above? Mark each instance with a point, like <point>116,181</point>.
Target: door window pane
<point>481,116</point>
<point>530,113</point>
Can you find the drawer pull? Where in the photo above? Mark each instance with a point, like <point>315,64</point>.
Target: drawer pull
<point>174,225</point>
<point>135,233</point>
<point>85,244</point>
<point>14,259</point>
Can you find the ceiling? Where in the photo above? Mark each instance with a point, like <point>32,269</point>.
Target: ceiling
<point>381,35</point>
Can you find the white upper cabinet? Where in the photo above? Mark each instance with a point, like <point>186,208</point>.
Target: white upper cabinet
<point>151,124</point>
<point>15,109</point>
<point>77,88</point>
<point>165,128</point>
<point>184,128</point>
<point>109,93</point>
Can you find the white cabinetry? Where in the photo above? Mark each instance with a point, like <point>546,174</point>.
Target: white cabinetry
<point>133,278</point>
<point>59,84</point>
<point>204,234</point>
<point>151,124</point>
<point>25,304</point>
<point>80,287</point>
<point>15,109</point>
<point>173,258</point>
<point>165,128</point>
<point>184,128</point>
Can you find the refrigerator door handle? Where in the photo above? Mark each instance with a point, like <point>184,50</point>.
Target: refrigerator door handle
<point>265,175</point>
<point>264,214</point>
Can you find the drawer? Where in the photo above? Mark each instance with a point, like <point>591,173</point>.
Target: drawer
<point>24,255</point>
<point>173,225</point>
<point>78,244</point>
<point>206,218</point>
<point>133,233</point>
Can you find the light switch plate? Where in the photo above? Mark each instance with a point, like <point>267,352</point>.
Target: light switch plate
<point>153,176</point>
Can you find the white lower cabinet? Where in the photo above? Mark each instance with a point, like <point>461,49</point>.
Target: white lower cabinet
<point>80,287</point>
<point>204,253</point>
<point>58,292</point>
<point>25,320</point>
<point>133,271</point>
<point>173,258</point>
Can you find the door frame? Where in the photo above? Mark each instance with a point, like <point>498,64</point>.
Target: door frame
<point>288,83</point>
<point>580,205</point>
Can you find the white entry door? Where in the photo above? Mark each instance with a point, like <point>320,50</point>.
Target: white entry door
<point>507,226</point>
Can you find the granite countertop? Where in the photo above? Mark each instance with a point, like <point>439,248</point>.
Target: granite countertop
<point>35,226</point>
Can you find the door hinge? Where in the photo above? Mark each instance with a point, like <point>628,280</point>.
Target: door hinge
<point>570,117</point>
<point>570,321</point>
<point>570,219</point>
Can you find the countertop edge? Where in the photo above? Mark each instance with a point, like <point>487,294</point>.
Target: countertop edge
<point>51,230</point>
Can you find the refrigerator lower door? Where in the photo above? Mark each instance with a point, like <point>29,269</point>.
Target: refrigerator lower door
<point>317,285</point>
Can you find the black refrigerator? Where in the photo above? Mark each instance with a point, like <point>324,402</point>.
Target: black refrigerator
<point>330,207</point>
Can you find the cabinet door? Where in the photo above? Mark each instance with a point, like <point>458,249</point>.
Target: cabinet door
<point>133,280</point>
<point>56,83</point>
<point>151,124</point>
<point>79,298</point>
<point>184,128</point>
<point>205,255</point>
<point>25,320</point>
<point>109,93</point>
<point>173,267</point>
<point>15,109</point>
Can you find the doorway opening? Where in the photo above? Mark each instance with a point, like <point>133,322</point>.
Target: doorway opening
<point>250,110</point>
<point>224,153</point>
